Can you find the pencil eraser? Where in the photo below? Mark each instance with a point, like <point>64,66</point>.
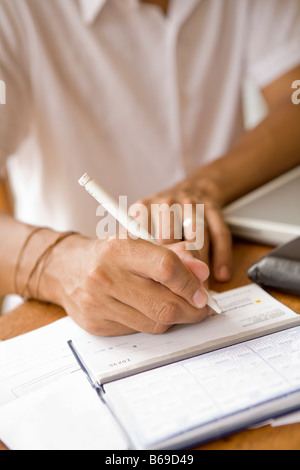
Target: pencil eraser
<point>84,179</point>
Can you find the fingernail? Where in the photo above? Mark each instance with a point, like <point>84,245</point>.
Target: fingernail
<point>200,299</point>
<point>224,273</point>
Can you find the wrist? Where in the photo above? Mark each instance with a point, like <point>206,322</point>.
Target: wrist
<point>29,260</point>
<point>208,183</point>
<point>62,269</point>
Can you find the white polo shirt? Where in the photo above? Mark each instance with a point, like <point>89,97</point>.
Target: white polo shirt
<point>137,99</point>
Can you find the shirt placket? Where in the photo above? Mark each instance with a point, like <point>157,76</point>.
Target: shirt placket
<point>178,15</point>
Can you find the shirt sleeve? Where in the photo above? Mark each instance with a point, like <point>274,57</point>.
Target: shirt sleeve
<point>274,40</point>
<point>15,89</point>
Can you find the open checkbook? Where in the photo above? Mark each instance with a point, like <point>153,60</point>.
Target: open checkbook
<point>188,386</point>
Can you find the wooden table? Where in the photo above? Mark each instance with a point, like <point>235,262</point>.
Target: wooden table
<point>33,315</point>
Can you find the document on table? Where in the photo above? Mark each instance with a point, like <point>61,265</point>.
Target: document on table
<point>36,359</point>
<point>44,393</point>
<point>161,404</point>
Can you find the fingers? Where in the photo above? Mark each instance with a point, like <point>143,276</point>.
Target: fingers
<point>158,308</point>
<point>164,267</point>
<point>138,304</point>
<point>122,319</point>
<point>138,286</point>
<point>118,318</point>
<point>221,241</point>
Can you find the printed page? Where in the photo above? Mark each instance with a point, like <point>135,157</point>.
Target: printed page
<point>249,312</point>
<point>34,360</point>
<point>162,403</point>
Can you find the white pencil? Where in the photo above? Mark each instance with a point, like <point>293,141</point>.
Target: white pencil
<point>131,225</point>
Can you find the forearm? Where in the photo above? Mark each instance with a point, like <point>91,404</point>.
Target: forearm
<point>261,155</point>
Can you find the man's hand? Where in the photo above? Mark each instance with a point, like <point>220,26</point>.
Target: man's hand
<point>114,287</point>
<point>217,237</point>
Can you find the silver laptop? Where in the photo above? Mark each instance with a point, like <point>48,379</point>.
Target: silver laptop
<point>269,215</point>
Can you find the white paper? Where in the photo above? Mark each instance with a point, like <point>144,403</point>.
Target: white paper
<point>34,360</point>
<point>66,415</point>
<point>248,312</point>
<point>38,374</point>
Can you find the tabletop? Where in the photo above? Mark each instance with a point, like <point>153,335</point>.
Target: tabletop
<point>32,315</point>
